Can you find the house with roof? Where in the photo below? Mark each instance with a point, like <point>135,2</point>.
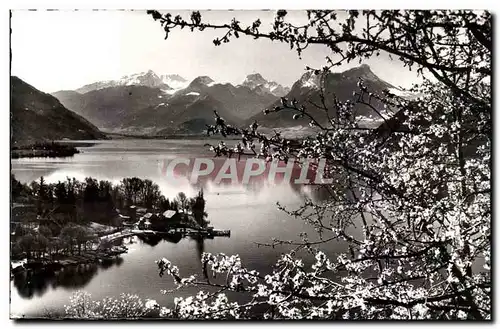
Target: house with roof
<point>169,214</point>
<point>166,220</point>
<point>145,221</point>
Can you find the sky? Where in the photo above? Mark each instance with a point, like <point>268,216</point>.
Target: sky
<point>61,50</point>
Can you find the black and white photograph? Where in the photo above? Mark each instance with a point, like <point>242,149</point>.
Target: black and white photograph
<point>248,165</point>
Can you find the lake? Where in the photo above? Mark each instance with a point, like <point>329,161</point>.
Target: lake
<point>250,214</point>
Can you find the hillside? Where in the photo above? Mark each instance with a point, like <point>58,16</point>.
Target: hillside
<point>133,104</point>
<point>307,90</point>
<point>37,116</point>
<point>108,107</point>
<point>187,114</point>
<point>242,101</point>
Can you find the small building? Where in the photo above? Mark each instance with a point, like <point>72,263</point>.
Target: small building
<point>169,213</point>
<point>150,216</point>
<point>173,217</point>
<point>168,219</point>
<point>142,224</point>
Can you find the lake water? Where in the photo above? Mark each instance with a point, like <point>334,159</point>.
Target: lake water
<point>250,214</point>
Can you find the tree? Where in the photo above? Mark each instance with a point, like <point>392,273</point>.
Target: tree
<point>41,194</point>
<point>418,185</point>
<point>198,209</point>
<point>164,204</point>
<point>81,306</point>
<point>66,238</point>
<point>182,201</point>
<point>132,187</point>
<point>33,244</point>
<point>45,231</point>
<point>42,189</point>
<point>74,235</point>
<point>91,191</point>
<point>19,191</point>
<point>72,187</point>
<point>447,44</point>
<point>27,244</point>
<point>150,194</point>
<point>41,243</point>
<point>80,236</point>
<point>127,190</point>
<point>55,245</point>
<point>174,205</point>
<point>107,207</point>
<point>117,197</point>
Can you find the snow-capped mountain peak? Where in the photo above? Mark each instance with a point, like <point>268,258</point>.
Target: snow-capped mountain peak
<point>310,80</point>
<point>257,81</point>
<point>175,81</point>
<point>254,80</point>
<point>148,79</point>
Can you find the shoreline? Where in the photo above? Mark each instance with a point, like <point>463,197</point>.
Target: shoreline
<point>43,150</point>
<point>35,266</point>
<point>87,257</point>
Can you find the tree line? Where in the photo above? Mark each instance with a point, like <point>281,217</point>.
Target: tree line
<point>97,200</point>
<point>62,211</point>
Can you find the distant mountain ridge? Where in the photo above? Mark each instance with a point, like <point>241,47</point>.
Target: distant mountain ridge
<point>147,79</point>
<point>174,81</point>
<point>154,103</point>
<point>307,90</point>
<point>37,116</point>
<point>147,103</point>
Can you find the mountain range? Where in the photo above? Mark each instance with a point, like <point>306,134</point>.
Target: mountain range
<point>334,86</point>
<point>151,104</point>
<point>257,82</point>
<point>170,82</point>
<point>168,104</point>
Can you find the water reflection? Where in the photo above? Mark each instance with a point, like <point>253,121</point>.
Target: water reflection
<point>29,284</point>
<point>115,159</point>
<point>200,246</point>
<point>249,211</point>
<point>155,239</point>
